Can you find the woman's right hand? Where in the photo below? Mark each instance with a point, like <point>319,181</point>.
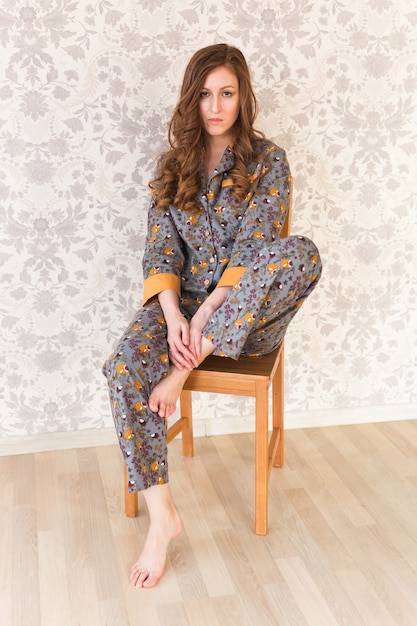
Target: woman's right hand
<point>178,336</point>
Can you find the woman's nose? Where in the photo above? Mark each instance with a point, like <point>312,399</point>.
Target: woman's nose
<point>215,104</point>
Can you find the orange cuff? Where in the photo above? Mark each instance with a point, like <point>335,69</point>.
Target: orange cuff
<point>159,282</point>
<point>231,276</point>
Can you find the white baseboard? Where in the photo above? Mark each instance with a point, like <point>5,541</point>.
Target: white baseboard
<point>357,415</point>
<point>29,444</point>
<point>311,419</point>
<point>45,442</point>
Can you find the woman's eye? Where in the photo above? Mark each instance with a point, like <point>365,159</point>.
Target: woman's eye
<point>204,94</point>
<point>227,93</point>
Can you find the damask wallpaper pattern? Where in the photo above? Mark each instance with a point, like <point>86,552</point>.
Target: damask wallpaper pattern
<point>86,90</point>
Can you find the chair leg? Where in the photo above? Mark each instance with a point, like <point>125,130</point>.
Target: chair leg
<point>278,410</point>
<point>186,411</point>
<point>261,460</point>
<point>131,498</point>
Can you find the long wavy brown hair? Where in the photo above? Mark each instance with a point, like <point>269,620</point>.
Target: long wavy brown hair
<point>177,177</point>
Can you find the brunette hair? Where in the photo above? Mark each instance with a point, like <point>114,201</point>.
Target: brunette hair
<point>177,177</point>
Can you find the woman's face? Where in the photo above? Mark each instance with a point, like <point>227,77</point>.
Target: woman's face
<point>220,103</point>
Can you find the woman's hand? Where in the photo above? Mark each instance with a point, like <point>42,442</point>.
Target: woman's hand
<point>181,353</point>
<point>202,317</point>
<point>178,335</point>
<point>197,325</point>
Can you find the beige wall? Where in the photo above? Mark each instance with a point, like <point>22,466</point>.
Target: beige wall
<point>86,90</point>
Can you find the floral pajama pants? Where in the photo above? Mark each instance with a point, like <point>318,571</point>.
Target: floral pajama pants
<point>252,320</point>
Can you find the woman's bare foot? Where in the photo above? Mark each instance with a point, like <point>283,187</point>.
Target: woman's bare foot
<point>165,526</point>
<point>163,399</point>
<point>164,396</point>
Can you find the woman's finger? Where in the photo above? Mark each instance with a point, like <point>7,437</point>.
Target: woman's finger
<point>181,356</point>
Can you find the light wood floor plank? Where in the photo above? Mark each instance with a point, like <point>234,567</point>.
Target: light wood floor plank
<point>371,610</point>
<point>225,487</point>
<point>52,565</point>
<point>212,568</point>
<point>403,435</point>
<point>110,467</point>
<point>284,606</point>
<point>258,553</point>
<point>321,553</point>
<point>101,541</point>
<point>217,611</point>
<point>317,542</point>
<point>113,612</point>
<point>301,584</point>
<point>312,457</point>
<point>186,569</point>
<point>172,615</point>
<point>25,573</point>
<point>390,500</point>
<point>81,586</point>
<point>7,485</point>
<point>341,548</point>
<point>252,594</point>
<point>208,501</point>
<point>46,486</point>
<point>66,462</point>
<point>385,442</point>
<point>25,569</point>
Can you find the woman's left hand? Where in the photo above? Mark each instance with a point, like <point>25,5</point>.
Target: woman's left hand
<point>202,317</point>
<point>197,325</point>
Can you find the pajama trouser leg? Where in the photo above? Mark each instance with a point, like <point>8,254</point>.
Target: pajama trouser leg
<point>252,320</point>
<point>132,370</point>
<point>258,309</point>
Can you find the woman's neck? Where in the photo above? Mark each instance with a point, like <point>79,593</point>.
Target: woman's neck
<point>216,145</point>
<point>214,149</point>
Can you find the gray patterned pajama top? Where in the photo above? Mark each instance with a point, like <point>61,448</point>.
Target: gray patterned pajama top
<point>221,244</point>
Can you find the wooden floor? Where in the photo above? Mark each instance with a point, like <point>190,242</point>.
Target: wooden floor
<point>342,546</point>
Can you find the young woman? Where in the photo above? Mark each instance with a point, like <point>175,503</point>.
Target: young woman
<point>217,276</point>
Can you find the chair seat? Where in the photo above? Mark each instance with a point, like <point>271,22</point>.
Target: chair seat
<point>215,369</point>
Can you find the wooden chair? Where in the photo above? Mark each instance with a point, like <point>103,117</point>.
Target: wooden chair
<point>248,376</point>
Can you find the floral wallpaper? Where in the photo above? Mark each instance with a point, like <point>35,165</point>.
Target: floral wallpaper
<point>86,91</point>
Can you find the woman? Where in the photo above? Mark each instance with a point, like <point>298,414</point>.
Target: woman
<point>217,277</point>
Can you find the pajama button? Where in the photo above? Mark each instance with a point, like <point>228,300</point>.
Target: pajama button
<point>207,282</point>
<point>212,259</point>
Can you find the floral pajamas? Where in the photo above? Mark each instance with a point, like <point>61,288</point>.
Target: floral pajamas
<point>221,244</point>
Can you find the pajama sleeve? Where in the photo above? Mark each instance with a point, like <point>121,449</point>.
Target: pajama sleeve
<point>267,207</point>
<point>163,258</point>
